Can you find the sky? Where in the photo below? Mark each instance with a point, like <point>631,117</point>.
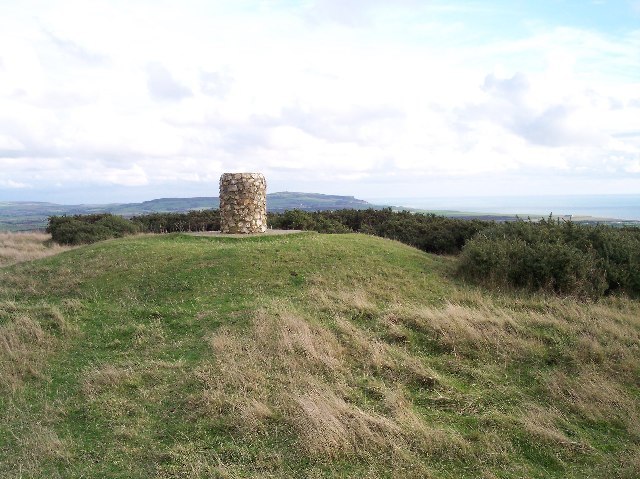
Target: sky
<point>118,101</point>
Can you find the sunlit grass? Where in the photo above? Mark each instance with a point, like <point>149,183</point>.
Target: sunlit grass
<point>305,356</point>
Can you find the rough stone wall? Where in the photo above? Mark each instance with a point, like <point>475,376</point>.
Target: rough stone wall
<point>243,203</point>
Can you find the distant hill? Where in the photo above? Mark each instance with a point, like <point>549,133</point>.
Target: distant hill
<point>26,216</point>
<point>276,202</point>
<point>31,215</point>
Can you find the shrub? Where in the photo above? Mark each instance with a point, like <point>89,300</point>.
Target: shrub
<point>431,233</point>
<point>203,220</point>
<point>117,225</point>
<point>565,258</point>
<point>81,229</point>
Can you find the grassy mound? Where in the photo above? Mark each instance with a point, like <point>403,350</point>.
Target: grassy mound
<point>305,356</point>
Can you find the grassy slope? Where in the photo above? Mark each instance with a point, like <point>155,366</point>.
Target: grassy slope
<point>304,356</point>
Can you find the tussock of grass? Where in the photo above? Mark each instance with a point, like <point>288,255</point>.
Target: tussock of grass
<point>545,425</point>
<point>595,397</point>
<point>581,361</point>
<point>36,444</point>
<point>27,337</point>
<point>287,372</point>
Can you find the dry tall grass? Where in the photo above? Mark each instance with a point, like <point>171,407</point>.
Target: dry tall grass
<point>20,247</point>
<point>347,385</point>
<point>307,378</point>
<point>27,336</point>
<point>583,358</point>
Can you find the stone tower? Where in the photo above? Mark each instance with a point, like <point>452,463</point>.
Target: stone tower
<point>243,203</point>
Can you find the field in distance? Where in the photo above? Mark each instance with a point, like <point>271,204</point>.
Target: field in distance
<point>305,355</point>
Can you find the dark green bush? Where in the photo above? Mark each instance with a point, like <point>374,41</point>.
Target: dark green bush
<point>310,221</point>
<point>74,232</point>
<point>431,233</point>
<point>81,229</point>
<point>202,220</point>
<point>565,258</point>
<point>117,225</point>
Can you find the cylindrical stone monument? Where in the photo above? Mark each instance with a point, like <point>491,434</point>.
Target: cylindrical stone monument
<point>243,203</point>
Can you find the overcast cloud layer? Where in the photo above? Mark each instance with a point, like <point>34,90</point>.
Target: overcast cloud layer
<point>119,101</point>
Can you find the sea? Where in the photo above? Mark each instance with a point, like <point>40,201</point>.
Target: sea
<point>620,207</point>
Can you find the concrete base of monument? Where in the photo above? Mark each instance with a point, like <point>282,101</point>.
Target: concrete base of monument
<point>269,232</point>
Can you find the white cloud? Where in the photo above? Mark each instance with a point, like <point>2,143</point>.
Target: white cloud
<point>9,144</point>
<point>369,92</point>
<point>163,86</point>
<point>134,176</point>
<point>633,167</point>
<point>13,184</point>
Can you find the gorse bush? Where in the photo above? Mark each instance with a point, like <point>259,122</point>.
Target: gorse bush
<point>309,221</point>
<point>81,229</point>
<point>201,220</point>
<point>565,258</point>
<point>430,233</point>
<point>513,262</point>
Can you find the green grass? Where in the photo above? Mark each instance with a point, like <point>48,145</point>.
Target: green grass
<point>305,356</point>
